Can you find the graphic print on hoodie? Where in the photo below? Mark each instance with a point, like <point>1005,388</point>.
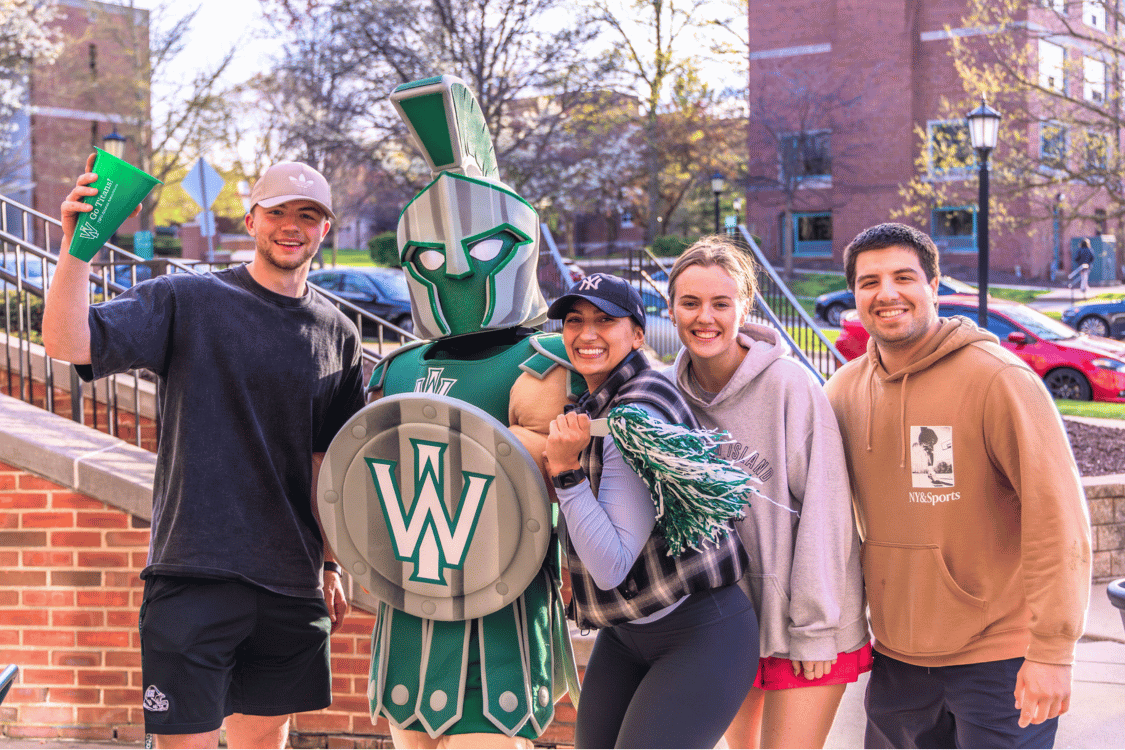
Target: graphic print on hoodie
<point>931,456</point>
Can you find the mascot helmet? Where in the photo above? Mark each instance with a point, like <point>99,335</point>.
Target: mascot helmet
<point>468,244</point>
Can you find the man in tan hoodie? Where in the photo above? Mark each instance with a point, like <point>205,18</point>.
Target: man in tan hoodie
<point>976,553</point>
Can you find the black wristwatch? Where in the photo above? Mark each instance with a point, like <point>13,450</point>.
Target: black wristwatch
<point>567,479</point>
<point>333,566</point>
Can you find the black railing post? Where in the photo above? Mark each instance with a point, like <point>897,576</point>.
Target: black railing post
<point>77,413</point>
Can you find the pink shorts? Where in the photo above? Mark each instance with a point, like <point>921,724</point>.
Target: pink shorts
<point>775,673</point>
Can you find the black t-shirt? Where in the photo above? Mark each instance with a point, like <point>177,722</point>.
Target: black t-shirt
<point>251,384</point>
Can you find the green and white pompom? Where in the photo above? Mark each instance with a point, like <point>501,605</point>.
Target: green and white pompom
<point>696,491</point>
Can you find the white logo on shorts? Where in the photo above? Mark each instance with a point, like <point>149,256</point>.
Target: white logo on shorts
<point>155,700</point>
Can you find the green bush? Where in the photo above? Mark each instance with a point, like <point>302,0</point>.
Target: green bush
<point>36,314</point>
<point>384,249</point>
<point>167,246</point>
<point>670,246</point>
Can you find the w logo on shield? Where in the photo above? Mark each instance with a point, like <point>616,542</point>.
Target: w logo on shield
<point>427,535</point>
<point>88,231</point>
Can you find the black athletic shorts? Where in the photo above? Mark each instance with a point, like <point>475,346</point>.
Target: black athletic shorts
<point>211,648</point>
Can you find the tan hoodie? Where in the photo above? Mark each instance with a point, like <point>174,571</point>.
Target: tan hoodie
<point>976,533</point>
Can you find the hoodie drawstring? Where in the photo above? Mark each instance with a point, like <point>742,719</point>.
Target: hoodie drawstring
<point>870,407</point>
<point>903,439</point>
<point>902,418</point>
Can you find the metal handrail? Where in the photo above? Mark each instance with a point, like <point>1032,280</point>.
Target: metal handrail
<point>31,374</point>
<point>813,349</point>
<point>1072,279</point>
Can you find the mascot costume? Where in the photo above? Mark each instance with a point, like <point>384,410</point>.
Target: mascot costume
<point>432,496</point>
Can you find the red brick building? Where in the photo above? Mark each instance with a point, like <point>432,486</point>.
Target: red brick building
<point>839,92</point>
<point>99,84</point>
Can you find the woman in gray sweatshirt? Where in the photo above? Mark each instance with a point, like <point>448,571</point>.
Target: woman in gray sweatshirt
<point>804,576</point>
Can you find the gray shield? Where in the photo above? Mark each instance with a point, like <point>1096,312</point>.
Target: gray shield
<point>434,506</point>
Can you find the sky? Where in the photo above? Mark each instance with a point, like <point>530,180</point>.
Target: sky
<point>218,26</point>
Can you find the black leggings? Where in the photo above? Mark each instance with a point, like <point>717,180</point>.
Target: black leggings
<point>676,682</point>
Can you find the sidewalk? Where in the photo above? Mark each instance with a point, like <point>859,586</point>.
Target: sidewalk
<point>1057,300</point>
<point>1097,708</point>
<point>1095,719</point>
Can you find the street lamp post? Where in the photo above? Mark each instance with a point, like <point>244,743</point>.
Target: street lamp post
<point>114,144</point>
<point>984,126</point>
<point>717,184</point>
<point>1056,262</point>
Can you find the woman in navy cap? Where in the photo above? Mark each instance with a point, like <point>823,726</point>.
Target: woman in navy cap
<point>677,649</point>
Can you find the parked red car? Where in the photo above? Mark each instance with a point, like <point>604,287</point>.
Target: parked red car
<point>1072,365</point>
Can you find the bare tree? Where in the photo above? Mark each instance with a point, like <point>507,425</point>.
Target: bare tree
<point>169,120</point>
<point>525,60</point>
<point>652,50</point>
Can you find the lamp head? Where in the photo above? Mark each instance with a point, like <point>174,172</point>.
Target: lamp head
<point>115,144</point>
<point>718,182</point>
<point>984,126</point>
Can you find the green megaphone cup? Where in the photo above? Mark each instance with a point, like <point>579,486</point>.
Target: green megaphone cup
<point>121,186</point>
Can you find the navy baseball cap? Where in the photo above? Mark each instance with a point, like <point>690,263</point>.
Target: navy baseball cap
<point>610,294</point>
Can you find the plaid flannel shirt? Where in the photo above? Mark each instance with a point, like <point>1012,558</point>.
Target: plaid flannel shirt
<point>657,580</point>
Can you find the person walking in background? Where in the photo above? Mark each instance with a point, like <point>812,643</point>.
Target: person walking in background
<point>977,560</point>
<point>256,373</point>
<point>804,576</point>
<point>678,641</point>
<point>1084,256</point>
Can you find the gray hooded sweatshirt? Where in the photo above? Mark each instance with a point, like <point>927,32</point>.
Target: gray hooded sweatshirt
<point>804,578</point>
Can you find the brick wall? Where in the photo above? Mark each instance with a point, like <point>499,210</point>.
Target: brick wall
<point>1107,526</point>
<point>69,598</point>
<point>98,413</point>
<point>70,592</point>
<point>68,612</point>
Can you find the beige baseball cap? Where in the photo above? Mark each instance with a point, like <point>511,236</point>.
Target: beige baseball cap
<point>289,181</point>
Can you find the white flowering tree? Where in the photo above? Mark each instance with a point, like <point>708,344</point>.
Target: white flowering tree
<point>25,37</point>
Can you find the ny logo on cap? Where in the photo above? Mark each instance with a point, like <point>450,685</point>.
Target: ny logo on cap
<point>590,282</point>
<point>302,182</point>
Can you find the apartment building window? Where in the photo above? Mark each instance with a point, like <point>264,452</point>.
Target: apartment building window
<point>1099,220</point>
<point>93,60</point>
<point>1052,61</point>
<point>1059,6</point>
<point>806,156</point>
<point>812,234</point>
<point>94,142</point>
<point>1052,145</point>
<point>949,148</point>
<point>954,227</point>
<point>1093,83</point>
<point>1097,150</point>
<point>1093,13</point>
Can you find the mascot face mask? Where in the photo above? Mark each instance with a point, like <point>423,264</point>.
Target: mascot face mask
<point>469,245</point>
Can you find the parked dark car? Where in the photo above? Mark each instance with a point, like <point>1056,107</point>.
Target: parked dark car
<point>123,273</point>
<point>379,291</point>
<point>1098,318</point>
<point>1072,365</point>
<point>831,305</point>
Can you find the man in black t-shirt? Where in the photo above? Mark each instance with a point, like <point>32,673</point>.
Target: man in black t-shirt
<point>256,375</point>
